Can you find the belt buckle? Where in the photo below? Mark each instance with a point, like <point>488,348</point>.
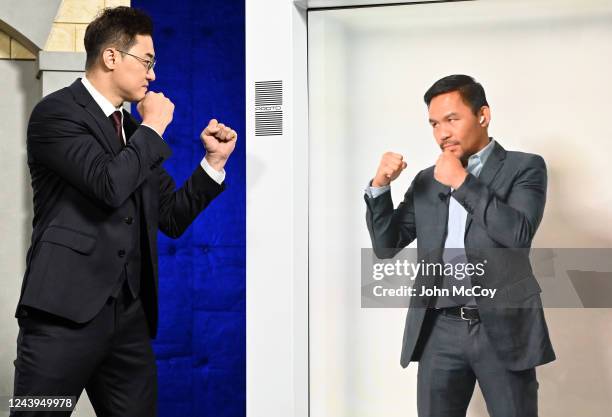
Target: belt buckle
<point>463,317</point>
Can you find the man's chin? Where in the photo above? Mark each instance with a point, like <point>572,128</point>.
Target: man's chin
<point>135,98</point>
<point>458,152</point>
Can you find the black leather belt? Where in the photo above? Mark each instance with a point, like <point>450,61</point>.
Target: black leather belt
<point>465,313</point>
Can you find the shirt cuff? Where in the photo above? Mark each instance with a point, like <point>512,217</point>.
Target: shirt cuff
<point>218,176</point>
<point>142,124</point>
<point>374,192</point>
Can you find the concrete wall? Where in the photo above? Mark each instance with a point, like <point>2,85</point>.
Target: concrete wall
<point>12,49</point>
<point>71,21</point>
<point>20,91</point>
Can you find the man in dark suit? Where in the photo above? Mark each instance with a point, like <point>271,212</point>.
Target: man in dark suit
<point>482,204</point>
<point>88,305</point>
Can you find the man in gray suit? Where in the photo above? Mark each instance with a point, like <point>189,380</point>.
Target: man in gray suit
<point>480,203</point>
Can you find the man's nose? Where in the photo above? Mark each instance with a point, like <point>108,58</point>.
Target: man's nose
<point>443,136</point>
<point>151,75</point>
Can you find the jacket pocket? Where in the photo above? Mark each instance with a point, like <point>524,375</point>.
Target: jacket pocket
<point>75,240</point>
<point>522,289</point>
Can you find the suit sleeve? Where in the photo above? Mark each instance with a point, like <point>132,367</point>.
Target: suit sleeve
<point>391,229</point>
<point>513,222</point>
<point>68,148</point>
<point>179,208</point>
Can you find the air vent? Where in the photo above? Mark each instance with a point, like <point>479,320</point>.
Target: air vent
<point>268,108</point>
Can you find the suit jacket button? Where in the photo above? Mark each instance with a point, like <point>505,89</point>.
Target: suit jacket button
<point>129,220</point>
<point>121,253</point>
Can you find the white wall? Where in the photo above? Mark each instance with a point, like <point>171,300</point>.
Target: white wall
<point>545,66</point>
<point>276,217</point>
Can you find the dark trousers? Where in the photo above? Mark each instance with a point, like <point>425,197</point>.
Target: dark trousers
<point>110,356</point>
<point>456,354</point>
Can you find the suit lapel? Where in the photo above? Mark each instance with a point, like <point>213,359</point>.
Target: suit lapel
<point>104,125</point>
<point>488,173</point>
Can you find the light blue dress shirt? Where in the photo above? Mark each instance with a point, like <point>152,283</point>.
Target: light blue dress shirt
<point>457,217</point>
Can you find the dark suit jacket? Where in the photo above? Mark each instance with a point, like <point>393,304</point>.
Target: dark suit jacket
<point>82,178</point>
<point>505,206</point>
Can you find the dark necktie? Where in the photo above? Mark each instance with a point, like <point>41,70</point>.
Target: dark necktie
<point>116,119</point>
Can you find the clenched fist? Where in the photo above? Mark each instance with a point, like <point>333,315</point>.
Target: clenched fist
<point>219,141</point>
<point>391,166</point>
<point>449,170</point>
<point>156,111</point>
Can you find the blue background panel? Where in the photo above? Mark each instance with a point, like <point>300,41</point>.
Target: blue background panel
<point>201,345</point>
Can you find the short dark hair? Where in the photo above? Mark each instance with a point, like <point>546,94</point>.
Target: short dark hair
<point>116,26</point>
<point>471,91</point>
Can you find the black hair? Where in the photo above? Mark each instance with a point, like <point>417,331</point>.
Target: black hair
<point>118,27</point>
<point>471,91</point>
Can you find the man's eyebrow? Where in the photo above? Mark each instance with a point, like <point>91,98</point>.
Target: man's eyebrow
<point>150,55</point>
<point>445,117</point>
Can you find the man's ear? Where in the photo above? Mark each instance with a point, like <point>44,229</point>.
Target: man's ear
<point>110,58</point>
<point>484,116</point>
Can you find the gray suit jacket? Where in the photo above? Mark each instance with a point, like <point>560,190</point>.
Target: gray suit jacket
<point>505,206</point>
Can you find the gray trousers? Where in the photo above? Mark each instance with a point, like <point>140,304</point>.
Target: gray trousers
<point>456,354</point>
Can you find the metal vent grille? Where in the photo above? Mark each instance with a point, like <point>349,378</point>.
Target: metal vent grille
<point>268,108</point>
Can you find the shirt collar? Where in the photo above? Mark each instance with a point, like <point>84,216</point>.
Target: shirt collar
<point>106,106</point>
<point>480,157</point>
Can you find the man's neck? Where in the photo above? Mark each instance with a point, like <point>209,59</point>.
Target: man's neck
<point>103,86</point>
